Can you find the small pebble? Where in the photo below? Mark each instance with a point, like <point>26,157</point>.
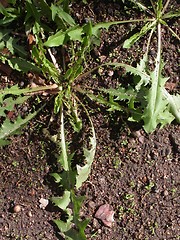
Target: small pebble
<point>29,213</point>
<point>110,73</point>
<point>17,208</point>
<point>91,204</point>
<point>32,192</point>
<point>166,193</point>
<point>136,134</point>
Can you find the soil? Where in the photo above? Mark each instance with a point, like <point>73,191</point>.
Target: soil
<point>136,173</point>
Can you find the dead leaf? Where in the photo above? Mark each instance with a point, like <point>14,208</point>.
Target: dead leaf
<point>105,214</point>
<point>31,39</point>
<point>35,78</point>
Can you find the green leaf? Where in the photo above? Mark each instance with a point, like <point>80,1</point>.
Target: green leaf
<point>58,11</point>
<point>64,154</point>
<point>9,103</point>
<point>75,33</point>
<point>4,142</point>
<point>8,128</point>
<point>56,40</point>
<point>15,90</point>
<point>23,65</point>
<point>62,202</point>
<point>84,171</point>
<point>174,104</point>
<point>63,226</point>
<point>132,70</point>
<point>171,14</point>
<point>148,26</point>
<point>142,67</point>
<point>73,234</point>
<point>157,111</point>
<point>32,11</point>
<point>106,25</point>
<point>120,93</point>
<point>57,177</point>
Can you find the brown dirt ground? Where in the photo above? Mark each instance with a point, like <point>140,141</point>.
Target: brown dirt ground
<point>137,174</point>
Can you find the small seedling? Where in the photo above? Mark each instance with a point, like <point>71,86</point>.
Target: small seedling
<point>150,186</point>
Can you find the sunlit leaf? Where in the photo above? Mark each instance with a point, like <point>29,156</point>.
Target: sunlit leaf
<point>62,202</point>
<point>129,42</point>
<point>84,171</point>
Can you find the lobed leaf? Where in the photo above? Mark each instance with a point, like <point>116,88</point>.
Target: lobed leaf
<point>174,104</point>
<point>9,103</point>
<point>75,33</point>
<point>62,202</point>
<point>23,65</point>
<point>171,14</point>
<point>83,172</point>
<point>157,110</point>
<point>148,26</point>
<point>8,128</point>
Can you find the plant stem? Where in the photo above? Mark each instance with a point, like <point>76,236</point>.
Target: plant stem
<point>170,29</point>
<point>152,3</point>
<point>165,7</point>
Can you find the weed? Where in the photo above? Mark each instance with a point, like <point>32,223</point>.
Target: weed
<point>148,100</point>
<point>49,28</point>
<point>150,186</point>
<point>15,163</point>
<point>153,228</point>
<point>129,196</point>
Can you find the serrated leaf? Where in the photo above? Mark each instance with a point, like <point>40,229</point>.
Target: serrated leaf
<point>15,90</point>
<point>23,65</point>
<point>57,177</point>
<point>174,104</point>
<point>62,202</point>
<point>142,67</point>
<point>129,42</point>
<point>63,226</point>
<point>120,93</point>
<point>83,172</point>
<point>75,33</point>
<point>172,14</point>
<point>8,128</point>
<point>9,103</point>
<point>96,28</point>
<point>73,234</point>
<point>157,111</point>
<point>132,70</point>
<point>64,155</point>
